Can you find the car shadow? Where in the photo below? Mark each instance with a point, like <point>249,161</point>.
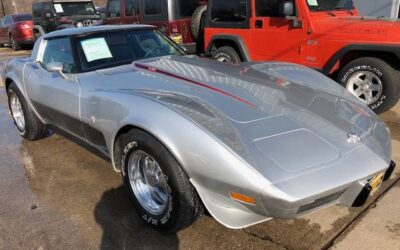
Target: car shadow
<point>123,228</point>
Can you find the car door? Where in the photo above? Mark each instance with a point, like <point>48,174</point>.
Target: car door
<point>274,35</point>
<point>53,96</point>
<point>131,12</point>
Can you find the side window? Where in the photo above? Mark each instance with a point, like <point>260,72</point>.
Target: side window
<point>131,8</point>
<point>7,20</point>
<point>59,50</point>
<point>229,11</point>
<point>152,7</point>
<point>268,8</point>
<point>114,8</point>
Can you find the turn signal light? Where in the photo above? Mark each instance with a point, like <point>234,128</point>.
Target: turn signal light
<point>243,198</point>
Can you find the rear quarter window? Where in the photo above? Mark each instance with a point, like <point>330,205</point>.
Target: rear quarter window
<point>229,11</point>
<point>153,7</point>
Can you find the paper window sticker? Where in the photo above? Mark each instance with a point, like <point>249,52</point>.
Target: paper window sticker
<point>96,49</point>
<point>312,2</point>
<point>58,7</point>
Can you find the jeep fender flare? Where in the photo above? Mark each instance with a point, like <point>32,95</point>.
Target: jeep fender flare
<point>371,48</point>
<point>40,29</point>
<point>241,45</point>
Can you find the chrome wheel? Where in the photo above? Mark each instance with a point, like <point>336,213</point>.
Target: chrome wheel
<point>366,85</point>
<point>17,111</point>
<point>148,182</point>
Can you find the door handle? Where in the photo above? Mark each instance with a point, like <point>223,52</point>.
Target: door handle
<point>259,24</point>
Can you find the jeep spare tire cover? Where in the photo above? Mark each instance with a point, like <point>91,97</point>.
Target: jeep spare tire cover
<point>197,19</point>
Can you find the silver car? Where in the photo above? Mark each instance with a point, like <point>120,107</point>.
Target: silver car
<point>247,142</point>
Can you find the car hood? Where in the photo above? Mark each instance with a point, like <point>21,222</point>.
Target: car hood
<point>358,28</point>
<point>283,119</point>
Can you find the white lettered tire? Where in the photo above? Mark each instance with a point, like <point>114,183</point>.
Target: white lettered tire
<point>373,81</point>
<point>160,190</point>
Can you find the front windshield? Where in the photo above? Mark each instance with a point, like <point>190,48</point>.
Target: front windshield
<point>74,8</point>
<point>99,51</point>
<point>330,5</point>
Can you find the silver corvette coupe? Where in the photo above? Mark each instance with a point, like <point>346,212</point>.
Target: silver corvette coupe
<point>247,142</point>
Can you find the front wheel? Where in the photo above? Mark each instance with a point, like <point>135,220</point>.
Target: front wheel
<point>161,191</point>
<point>28,125</point>
<point>373,81</point>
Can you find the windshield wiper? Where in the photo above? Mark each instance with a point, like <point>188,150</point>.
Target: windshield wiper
<point>326,10</point>
<point>347,10</point>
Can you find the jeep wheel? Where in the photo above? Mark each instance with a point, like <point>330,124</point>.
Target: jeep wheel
<point>373,81</point>
<point>227,54</point>
<point>29,126</point>
<point>160,190</point>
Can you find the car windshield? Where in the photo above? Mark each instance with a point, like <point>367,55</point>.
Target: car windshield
<point>330,5</point>
<point>187,7</point>
<point>99,51</point>
<point>22,18</point>
<point>74,8</point>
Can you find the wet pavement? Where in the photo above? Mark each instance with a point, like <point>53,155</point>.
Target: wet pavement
<point>56,195</point>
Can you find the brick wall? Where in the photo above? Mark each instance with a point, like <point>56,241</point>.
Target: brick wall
<point>25,6</point>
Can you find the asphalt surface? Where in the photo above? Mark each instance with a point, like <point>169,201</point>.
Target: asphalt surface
<point>56,195</point>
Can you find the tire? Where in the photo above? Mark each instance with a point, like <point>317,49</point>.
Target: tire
<point>227,54</point>
<point>33,129</point>
<point>382,74</point>
<point>196,22</point>
<point>180,202</point>
<point>14,44</point>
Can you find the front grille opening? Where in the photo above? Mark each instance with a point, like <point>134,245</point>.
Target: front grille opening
<point>320,202</point>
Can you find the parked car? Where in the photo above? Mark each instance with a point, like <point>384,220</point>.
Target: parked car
<point>54,15</point>
<point>382,8</point>
<point>16,31</point>
<point>174,17</point>
<point>360,53</point>
<point>251,142</point>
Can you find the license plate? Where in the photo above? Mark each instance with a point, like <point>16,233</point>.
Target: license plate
<point>177,38</point>
<point>376,181</point>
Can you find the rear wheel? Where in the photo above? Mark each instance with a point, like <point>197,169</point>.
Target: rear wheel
<point>160,189</point>
<point>28,125</point>
<point>14,44</point>
<point>227,54</point>
<point>373,81</point>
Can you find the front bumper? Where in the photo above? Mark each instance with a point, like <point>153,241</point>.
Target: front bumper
<point>354,194</point>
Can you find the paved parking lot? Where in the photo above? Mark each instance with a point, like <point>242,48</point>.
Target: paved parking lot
<point>56,195</point>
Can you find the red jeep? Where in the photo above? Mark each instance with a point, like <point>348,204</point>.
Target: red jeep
<point>362,53</point>
<point>171,16</point>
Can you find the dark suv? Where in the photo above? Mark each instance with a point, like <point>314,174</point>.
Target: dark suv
<point>60,14</point>
<point>179,19</point>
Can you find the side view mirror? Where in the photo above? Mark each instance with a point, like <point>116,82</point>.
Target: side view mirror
<point>56,67</point>
<point>286,9</point>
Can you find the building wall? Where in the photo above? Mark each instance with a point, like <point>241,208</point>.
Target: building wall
<point>25,6</point>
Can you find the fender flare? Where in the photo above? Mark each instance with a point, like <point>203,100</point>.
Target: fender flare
<point>40,29</point>
<point>243,51</point>
<point>395,50</point>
